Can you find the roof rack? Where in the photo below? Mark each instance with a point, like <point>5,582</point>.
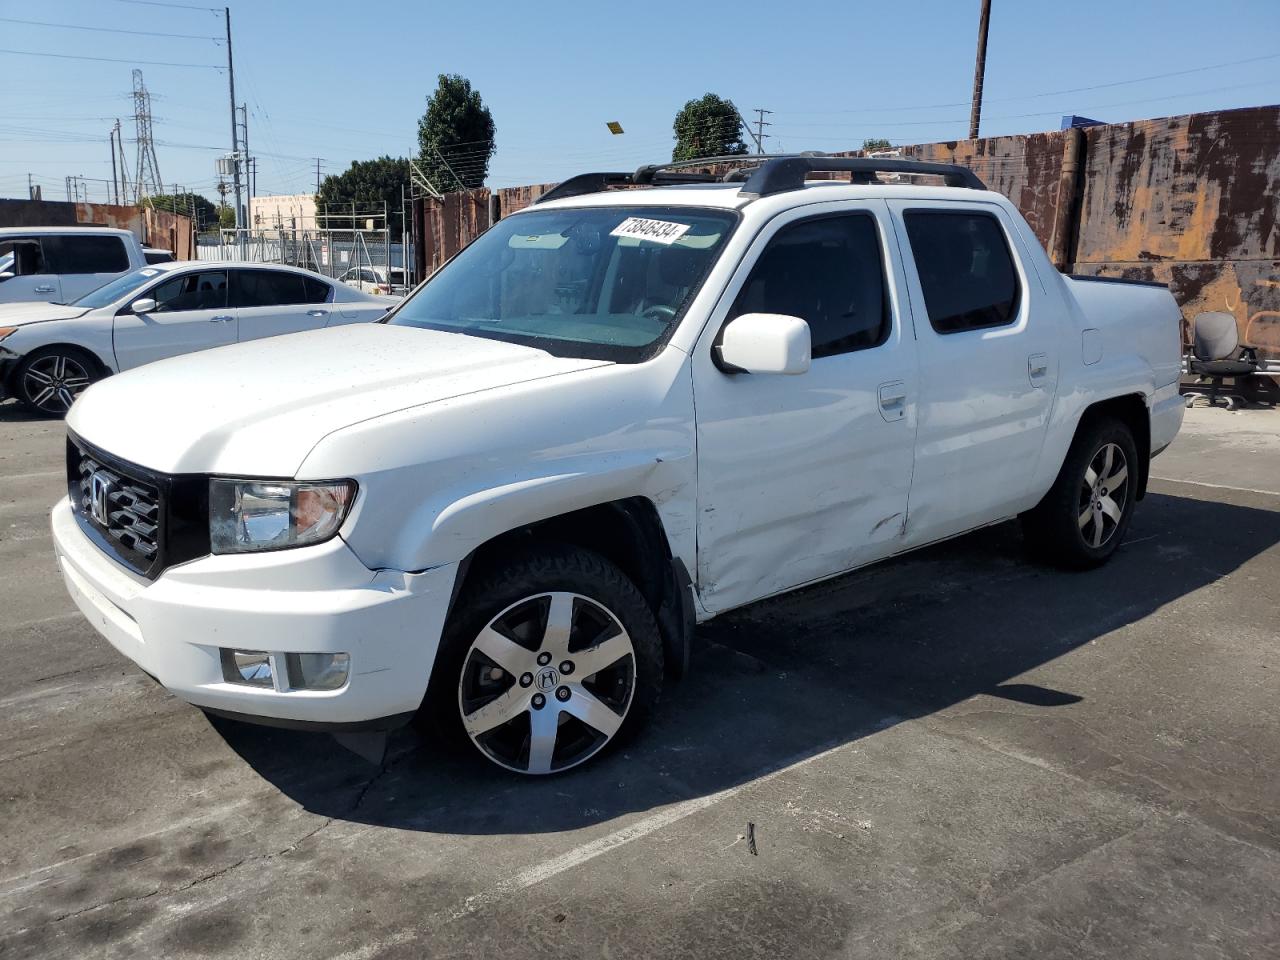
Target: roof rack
<point>762,176</point>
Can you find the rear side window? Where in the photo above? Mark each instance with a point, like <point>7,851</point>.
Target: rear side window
<point>88,254</point>
<point>827,272</point>
<point>966,270</point>
<point>317,291</point>
<point>268,288</point>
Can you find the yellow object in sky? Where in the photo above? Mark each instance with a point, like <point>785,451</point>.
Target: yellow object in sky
<point>614,127</point>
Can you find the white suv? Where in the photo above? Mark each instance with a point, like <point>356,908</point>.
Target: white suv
<point>613,415</point>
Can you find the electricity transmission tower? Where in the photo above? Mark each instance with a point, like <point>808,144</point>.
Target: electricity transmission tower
<point>148,181</point>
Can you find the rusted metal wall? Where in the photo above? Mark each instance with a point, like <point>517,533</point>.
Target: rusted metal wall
<point>1025,168</point>
<point>1192,201</point>
<point>155,228</point>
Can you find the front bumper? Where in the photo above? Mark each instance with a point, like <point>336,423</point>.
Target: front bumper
<point>317,599</point>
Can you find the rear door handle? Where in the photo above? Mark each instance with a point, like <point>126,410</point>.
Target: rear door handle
<point>221,319</point>
<point>317,313</point>
<point>44,289</point>
<point>893,400</point>
<point>1037,369</point>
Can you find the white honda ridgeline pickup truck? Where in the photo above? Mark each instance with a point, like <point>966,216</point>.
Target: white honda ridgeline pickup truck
<point>612,416</point>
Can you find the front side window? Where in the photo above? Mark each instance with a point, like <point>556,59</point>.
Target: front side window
<point>829,273</point>
<point>192,291</point>
<point>966,270</point>
<point>86,254</point>
<point>268,288</point>
<point>605,283</point>
<point>25,256</point>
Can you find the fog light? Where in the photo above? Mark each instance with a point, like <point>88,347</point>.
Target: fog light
<point>252,667</point>
<point>318,671</point>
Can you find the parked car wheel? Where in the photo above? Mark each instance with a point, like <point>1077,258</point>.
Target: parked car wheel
<point>1083,518</point>
<point>547,662</point>
<point>48,380</point>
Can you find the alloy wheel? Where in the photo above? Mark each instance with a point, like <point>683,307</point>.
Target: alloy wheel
<point>53,382</point>
<point>547,683</point>
<point>1104,495</point>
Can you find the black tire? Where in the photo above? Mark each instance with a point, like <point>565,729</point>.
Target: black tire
<point>1056,529</point>
<point>48,380</point>
<point>495,591</point>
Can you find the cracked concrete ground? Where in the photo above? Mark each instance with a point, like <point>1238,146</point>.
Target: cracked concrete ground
<point>958,754</point>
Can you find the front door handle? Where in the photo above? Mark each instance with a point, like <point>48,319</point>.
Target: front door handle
<point>1038,369</point>
<point>221,319</point>
<point>317,313</point>
<point>893,400</point>
<point>44,289</point>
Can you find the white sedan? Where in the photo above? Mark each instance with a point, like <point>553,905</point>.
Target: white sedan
<point>50,352</point>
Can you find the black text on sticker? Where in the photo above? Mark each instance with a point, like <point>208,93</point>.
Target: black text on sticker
<point>659,231</point>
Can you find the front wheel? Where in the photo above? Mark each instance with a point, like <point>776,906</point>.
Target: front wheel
<point>1083,518</point>
<point>547,662</point>
<point>48,381</point>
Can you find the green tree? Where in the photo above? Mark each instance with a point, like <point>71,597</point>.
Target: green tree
<point>876,144</point>
<point>710,127</point>
<point>366,183</point>
<point>455,135</point>
<point>226,218</point>
<point>189,205</point>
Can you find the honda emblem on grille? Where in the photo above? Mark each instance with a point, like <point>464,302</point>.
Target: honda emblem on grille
<point>99,490</point>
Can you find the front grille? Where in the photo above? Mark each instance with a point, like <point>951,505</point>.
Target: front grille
<point>147,520</point>
<point>132,509</point>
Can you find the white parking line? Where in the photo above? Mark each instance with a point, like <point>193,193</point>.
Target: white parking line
<point>1219,486</point>
<point>642,828</point>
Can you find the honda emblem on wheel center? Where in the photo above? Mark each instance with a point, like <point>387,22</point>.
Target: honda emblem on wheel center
<point>547,678</point>
<point>99,490</point>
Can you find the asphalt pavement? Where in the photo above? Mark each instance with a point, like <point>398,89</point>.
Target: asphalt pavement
<point>956,754</point>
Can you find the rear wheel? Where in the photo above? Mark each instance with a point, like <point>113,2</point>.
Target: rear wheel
<point>1083,518</point>
<point>47,381</point>
<point>547,662</point>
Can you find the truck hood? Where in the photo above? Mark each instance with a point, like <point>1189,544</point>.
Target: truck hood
<point>21,314</point>
<point>258,408</point>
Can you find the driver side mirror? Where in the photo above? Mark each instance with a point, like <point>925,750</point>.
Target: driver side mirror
<point>765,343</point>
<point>145,305</point>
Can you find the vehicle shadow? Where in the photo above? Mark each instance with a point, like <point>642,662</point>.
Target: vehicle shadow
<point>789,678</point>
<point>11,411</point>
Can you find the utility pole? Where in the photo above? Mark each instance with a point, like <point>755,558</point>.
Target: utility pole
<point>115,183</point>
<point>318,159</point>
<point>761,123</point>
<point>31,190</point>
<point>248,164</point>
<point>979,70</point>
<point>235,138</point>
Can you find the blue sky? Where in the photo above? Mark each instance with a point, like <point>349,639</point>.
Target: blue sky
<point>347,81</point>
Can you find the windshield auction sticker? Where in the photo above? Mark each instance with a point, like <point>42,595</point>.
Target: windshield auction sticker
<point>659,231</point>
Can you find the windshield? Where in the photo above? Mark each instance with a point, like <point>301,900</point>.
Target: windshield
<point>117,289</point>
<point>603,283</point>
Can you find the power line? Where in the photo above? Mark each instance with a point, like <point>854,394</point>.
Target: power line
<point>175,6</point>
<point>140,33</point>
<point>1050,93</point>
<point>145,63</point>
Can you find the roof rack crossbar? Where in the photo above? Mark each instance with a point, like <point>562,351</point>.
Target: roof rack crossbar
<point>762,176</point>
<point>789,173</point>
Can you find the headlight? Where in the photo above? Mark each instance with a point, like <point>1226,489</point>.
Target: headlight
<point>249,516</point>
